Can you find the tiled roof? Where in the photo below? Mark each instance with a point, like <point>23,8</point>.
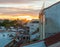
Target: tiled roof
<point>53,39</point>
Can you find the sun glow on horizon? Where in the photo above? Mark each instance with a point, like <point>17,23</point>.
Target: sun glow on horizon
<point>27,17</point>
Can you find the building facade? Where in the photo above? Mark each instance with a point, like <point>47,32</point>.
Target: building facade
<point>52,15</point>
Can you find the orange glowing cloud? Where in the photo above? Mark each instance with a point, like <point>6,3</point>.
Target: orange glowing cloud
<point>27,17</point>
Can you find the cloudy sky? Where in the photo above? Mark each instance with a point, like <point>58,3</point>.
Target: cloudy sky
<point>16,8</point>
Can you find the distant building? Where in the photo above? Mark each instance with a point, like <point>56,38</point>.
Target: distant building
<point>6,34</point>
<point>6,38</point>
<point>2,28</point>
<point>33,29</point>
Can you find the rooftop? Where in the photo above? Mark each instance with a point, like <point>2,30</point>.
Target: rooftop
<point>4,41</point>
<point>44,43</point>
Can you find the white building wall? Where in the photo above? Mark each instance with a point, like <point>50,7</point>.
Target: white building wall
<point>32,28</point>
<point>6,34</point>
<point>53,19</point>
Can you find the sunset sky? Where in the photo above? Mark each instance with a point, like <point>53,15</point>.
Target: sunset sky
<point>29,9</point>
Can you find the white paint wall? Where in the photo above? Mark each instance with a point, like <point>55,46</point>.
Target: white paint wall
<point>53,19</point>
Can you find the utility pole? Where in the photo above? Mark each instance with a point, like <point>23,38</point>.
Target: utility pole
<point>42,23</point>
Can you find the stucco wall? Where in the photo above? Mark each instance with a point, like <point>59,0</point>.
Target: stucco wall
<point>53,19</point>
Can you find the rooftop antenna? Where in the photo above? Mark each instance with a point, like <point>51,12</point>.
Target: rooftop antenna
<point>42,22</point>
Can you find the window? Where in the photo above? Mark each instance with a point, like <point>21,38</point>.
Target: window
<point>35,21</point>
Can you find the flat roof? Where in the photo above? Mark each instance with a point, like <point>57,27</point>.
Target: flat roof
<point>39,44</point>
<point>4,41</point>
